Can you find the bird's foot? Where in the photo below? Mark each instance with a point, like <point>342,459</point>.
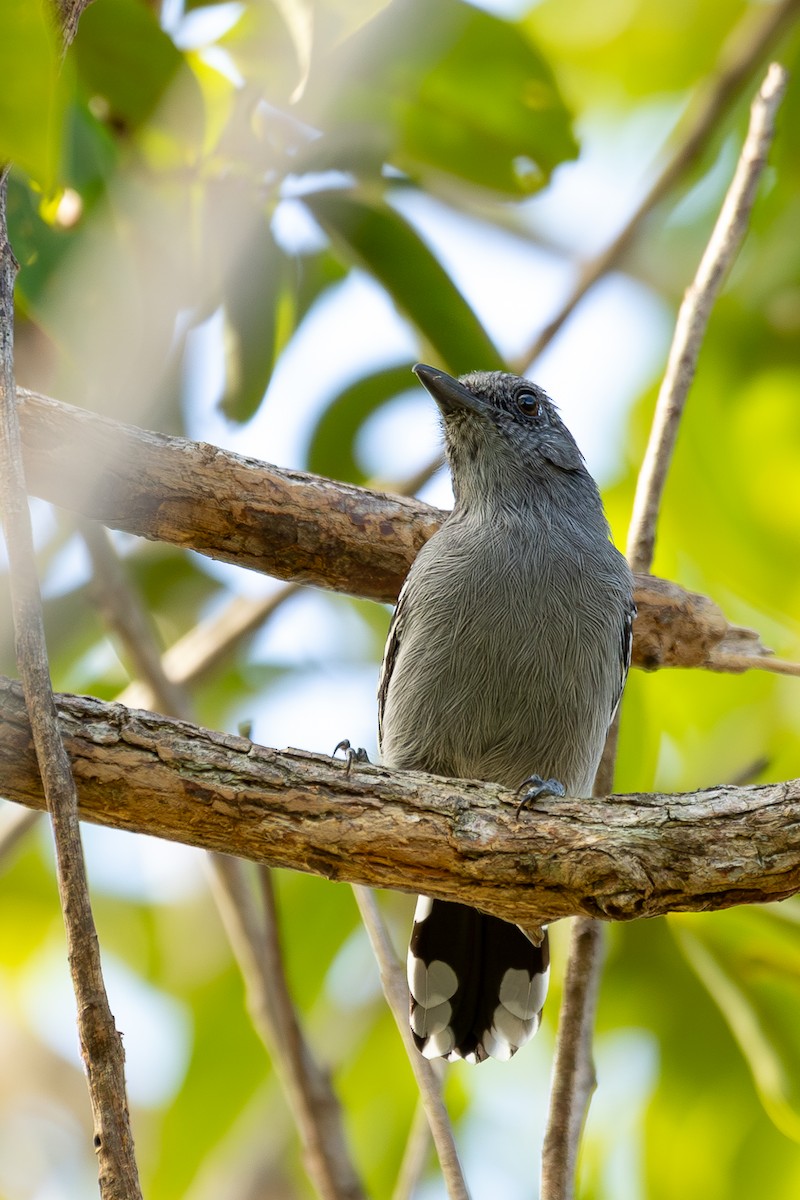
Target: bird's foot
<point>534,787</point>
<point>351,754</point>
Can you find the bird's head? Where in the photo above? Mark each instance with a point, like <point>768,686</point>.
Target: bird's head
<point>504,436</point>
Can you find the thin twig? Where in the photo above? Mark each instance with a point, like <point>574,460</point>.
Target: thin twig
<point>69,12</point>
<point>415,1155</point>
<point>395,990</point>
<point>111,592</point>
<point>574,1079</point>
<point>195,655</point>
<point>573,1072</point>
<point>253,936</point>
<point>101,1045</point>
<point>17,825</point>
<point>746,47</point>
<point>723,246</point>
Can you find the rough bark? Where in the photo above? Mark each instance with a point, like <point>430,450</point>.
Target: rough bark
<point>301,527</point>
<point>618,858</point>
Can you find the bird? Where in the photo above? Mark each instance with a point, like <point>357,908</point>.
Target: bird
<point>505,662</point>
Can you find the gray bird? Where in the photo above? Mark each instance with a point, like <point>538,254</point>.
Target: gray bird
<point>505,661</point>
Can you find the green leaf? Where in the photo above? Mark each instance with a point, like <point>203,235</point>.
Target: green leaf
<point>32,90</point>
<point>332,448</point>
<point>372,235</point>
<point>38,247</point>
<point>749,960</point>
<point>253,300</point>
<point>444,87</point>
<point>125,59</point>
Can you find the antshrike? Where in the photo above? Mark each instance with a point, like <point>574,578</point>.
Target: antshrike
<point>505,662</point>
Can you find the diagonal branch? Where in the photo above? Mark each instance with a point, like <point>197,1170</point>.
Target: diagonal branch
<point>303,527</point>
<point>723,246</point>
<point>749,44</point>
<point>618,858</point>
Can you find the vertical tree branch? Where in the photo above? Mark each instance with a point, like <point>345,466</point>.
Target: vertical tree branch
<point>101,1045</point>
<point>395,990</point>
<point>574,1078</point>
<point>573,1070</point>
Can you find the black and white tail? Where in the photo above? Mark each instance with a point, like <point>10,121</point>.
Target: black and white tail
<point>477,983</point>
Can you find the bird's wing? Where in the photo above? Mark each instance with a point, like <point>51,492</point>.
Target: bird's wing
<point>390,656</point>
<point>626,648</point>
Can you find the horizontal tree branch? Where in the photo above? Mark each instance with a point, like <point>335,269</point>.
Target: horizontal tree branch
<point>617,858</point>
<point>303,527</point>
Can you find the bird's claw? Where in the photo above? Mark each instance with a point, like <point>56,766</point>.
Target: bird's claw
<point>534,787</point>
<point>351,754</point>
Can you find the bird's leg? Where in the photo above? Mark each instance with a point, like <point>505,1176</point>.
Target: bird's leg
<point>534,786</point>
<point>351,754</point>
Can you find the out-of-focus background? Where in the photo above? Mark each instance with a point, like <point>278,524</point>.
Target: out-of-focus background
<point>244,222</point>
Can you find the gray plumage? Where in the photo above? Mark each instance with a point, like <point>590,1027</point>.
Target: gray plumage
<point>510,643</point>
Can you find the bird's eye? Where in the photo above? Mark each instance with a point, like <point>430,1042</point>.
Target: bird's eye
<point>529,405</point>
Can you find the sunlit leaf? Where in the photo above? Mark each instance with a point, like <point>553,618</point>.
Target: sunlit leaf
<point>332,448</point>
<point>374,236</point>
<point>444,88</point>
<point>125,60</point>
<point>254,335</point>
<point>32,90</point>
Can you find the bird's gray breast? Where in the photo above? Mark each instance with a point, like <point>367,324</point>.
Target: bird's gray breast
<point>506,657</point>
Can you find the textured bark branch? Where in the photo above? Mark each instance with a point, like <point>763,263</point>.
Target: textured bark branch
<point>618,858</point>
<point>69,13</point>
<point>303,527</point>
<point>100,1041</point>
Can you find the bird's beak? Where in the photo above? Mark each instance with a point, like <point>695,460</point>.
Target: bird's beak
<point>449,394</point>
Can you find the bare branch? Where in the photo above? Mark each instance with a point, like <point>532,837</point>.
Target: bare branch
<point>254,937</point>
<point>573,1071</point>
<point>69,13</point>
<point>573,1068</point>
<point>297,526</point>
<point>695,311</point>
<point>747,46</point>
<point>618,858</point>
<point>16,825</point>
<point>110,589</point>
<point>101,1045</point>
<point>200,650</point>
<point>395,990</point>
<point>415,1156</point>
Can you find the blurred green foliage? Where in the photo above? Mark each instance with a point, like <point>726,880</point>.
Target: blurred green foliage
<point>152,179</point>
